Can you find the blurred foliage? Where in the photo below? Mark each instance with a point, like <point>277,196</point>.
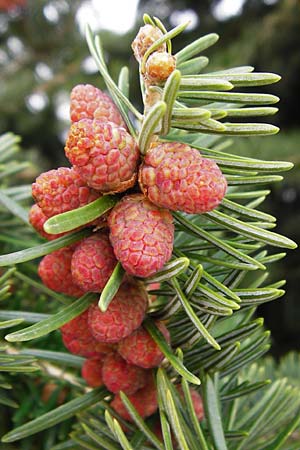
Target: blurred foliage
<point>282,317</point>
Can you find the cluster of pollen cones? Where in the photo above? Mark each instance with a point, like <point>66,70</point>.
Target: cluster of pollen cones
<point>138,232</point>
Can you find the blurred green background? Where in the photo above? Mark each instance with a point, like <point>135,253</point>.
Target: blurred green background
<point>43,55</point>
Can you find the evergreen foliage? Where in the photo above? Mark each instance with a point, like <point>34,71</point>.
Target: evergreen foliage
<point>209,291</point>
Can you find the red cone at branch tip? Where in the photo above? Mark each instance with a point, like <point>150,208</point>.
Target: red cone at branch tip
<point>91,371</point>
<point>175,176</point>
<point>61,190</point>
<point>124,314</point>
<point>55,272</point>
<point>118,375</point>
<point>105,155</point>
<point>79,340</point>
<point>89,102</point>
<point>93,262</point>
<point>140,349</point>
<point>144,400</point>
<point>141,234</point>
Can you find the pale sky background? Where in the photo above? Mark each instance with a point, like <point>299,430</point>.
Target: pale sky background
<point>118,16</point>
<point>114,15</point>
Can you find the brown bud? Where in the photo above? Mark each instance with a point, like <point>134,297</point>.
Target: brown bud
<point>146,36</point>
<point>159,66</point>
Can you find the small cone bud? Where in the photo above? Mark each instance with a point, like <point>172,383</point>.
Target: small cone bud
<point>146,36</point>
<point>159,67</point>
